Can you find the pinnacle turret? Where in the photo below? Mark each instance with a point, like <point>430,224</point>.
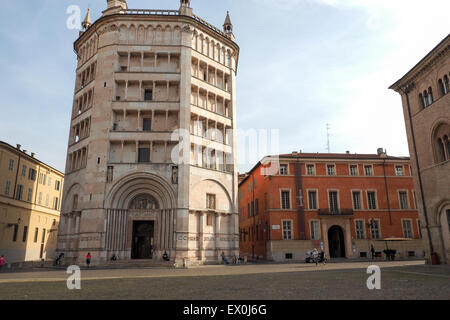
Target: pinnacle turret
<point>87,22</point>
<point>228,26</point>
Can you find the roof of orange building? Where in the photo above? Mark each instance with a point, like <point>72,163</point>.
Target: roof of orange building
<point>335,156</point>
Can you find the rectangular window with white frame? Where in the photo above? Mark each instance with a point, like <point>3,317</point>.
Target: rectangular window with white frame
<point>285,199</point>
<point>371,200</point>
<point>312,200</point>
<point>333,198</point>
<point>353,169</point>
<point>310,169</point>
<point>331,169</point>
<point>356,196</point>
<point>287,230</point>
<point>403,199</point>
<point>399,171</point>
<point>375,229</point>
<point>407,229</point>
<point>315,229</point>
<point>368,170</point>
<point>284,169</point>
<point>360,229</point>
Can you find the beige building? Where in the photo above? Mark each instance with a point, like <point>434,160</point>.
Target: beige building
<point>426,106</point>
<point>151,166</point>
<point>30,193</point>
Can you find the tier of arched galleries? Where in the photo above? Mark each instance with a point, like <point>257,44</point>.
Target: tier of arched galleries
<point>130,187</point>
<point>441,142</point>
<point>210,194</point>
<point>149,34</point>
<point>208,47</point>
<point>71,201</point>
<point>443,220</point>
<point>88,49</point>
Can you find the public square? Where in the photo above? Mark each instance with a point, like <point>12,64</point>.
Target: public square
<point>342,280</point>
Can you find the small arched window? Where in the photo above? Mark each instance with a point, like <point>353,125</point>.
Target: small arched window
<point>441,156</point>
<point>426,102</point>
<point>421,101</point>
<point>446,85</point>
<point>441,86</point>
<point>447,146</point>
<point>430,95</point>
<point>441,143</point>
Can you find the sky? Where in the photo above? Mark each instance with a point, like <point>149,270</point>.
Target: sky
<point>302,64</point>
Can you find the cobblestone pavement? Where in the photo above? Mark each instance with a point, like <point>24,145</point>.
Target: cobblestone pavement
<point>399,280</point>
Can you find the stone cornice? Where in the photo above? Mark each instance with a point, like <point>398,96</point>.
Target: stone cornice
<point>431,59</point>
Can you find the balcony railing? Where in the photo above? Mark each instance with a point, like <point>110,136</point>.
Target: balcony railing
<point>336,212</point>
<point>153,12</point>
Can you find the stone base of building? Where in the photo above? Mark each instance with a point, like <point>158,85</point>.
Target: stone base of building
<point>295,250</point>
<point>182,259</point>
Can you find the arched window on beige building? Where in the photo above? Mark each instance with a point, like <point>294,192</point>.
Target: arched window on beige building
<point>426,98</point>
<point>444,85</point>
<point>441,140</point>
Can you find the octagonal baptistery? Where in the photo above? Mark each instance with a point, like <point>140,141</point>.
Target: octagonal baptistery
<point>151,164</point>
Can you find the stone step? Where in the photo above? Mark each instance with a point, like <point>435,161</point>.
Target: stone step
<point>137,264</point>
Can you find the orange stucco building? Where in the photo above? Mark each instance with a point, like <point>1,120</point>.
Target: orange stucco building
<point>341,203</point>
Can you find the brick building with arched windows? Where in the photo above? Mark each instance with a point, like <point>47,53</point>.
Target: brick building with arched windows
<point>426,105</point>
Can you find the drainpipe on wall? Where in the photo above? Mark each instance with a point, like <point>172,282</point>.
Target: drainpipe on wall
<point>406,90</point>
<point>300,203</point>
<point>387,192</point>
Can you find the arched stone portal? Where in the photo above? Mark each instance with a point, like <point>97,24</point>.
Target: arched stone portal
<point>444,222</point>
<point>336,242</point>
<point>141,217</point>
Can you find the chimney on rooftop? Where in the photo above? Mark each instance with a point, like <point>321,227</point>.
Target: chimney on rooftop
<point>381,153</point>
<point>347,152</point>
<point>32,154</point>
<point>18,146</point>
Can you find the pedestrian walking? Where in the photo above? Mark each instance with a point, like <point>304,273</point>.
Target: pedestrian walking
<point>315,256</point>
<point>2,262</point>
<point>323,257</point>
<point>88,259</point>
<point>372,251</point>
<point>224,259</point>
